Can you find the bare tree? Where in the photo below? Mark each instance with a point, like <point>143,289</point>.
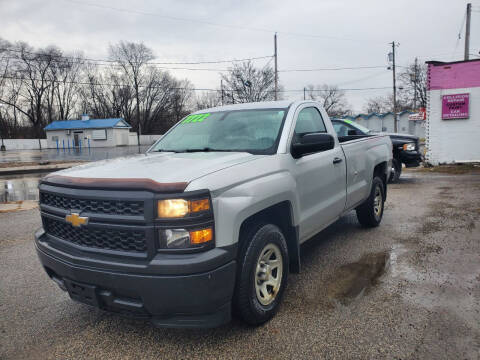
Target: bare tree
<point>384,104</point>
<point>133,58</point>
<point>246,83</point>
<point>332,98</point>
<point>379,104</point>
<point>66,72</point>
<point>413,79</point>
<point>33,88</point>
<point>38,86</point>
<point>208,100</point>
<point>106,94</point>
<point>412,82</point>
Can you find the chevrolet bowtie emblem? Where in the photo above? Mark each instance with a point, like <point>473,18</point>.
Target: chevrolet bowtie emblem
<point>76,220</point>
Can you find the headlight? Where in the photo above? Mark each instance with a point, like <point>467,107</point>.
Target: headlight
<point>409,147</point>
<point>183,239</point>
<point>177,208</point>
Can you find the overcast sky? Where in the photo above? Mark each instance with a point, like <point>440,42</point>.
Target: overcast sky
<point>311,34</point>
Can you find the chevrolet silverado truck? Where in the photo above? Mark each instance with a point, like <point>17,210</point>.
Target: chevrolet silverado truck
<point>210,220</point>
<point>405,147</point>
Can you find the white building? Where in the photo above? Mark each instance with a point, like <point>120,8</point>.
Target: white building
<point>453,112</point>
<point>88,132</point>
<point>385,123</point>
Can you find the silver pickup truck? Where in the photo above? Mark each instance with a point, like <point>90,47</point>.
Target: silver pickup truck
<point>211,218</point>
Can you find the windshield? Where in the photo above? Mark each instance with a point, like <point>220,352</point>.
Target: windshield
<point>254,131</point>
<point>358,126</point>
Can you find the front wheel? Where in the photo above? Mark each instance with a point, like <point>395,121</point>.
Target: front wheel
<point>262,274</point>
<point>396,171</point>
<point>370,213</point>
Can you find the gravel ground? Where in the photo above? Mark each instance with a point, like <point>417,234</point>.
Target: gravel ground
<point>409,289</point>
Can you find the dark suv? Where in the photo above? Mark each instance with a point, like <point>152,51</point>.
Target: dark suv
<point>405,147</point>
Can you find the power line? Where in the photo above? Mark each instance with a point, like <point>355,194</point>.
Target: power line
<point>335,68</point>
<point>109,61</point>
<point>178,88</point>
<point>377,74</point>
<point>99,62</point>
<point>341,89</point>
<point>210,23</point>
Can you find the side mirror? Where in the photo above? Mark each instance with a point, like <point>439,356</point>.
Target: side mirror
<point>312,143</point>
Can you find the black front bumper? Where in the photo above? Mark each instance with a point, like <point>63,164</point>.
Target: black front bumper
<point>410,158</point>
<point>200,299</point>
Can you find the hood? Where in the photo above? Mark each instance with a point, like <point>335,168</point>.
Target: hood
<point>160,167</point>
<point>401,136</point>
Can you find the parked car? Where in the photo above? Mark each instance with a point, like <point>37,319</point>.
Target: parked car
<point>211,217</point>
<point>405,147</point>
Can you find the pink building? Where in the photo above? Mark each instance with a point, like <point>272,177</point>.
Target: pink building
<point>453,112</point>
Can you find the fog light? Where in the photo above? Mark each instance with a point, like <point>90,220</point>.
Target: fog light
<point>183,239</point>
<point>174,238</point>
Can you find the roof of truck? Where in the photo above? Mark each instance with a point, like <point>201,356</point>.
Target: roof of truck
<point>247,106</point>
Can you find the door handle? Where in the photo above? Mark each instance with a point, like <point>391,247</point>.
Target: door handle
<point>337,160</point>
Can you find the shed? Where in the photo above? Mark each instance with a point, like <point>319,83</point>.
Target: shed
<point>87,133</point>
<point>384,122</point>
<point>453,112</point>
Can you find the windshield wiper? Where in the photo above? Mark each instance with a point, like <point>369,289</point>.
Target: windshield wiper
<point>165,150</point>
<point>207,149</point>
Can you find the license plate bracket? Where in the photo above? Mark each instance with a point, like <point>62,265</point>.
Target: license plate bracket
<point>83,293</point>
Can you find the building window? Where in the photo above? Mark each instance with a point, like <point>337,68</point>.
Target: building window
<point>54,138</point>
<point>100,134</point>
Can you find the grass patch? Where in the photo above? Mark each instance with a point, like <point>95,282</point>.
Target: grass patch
<point>454,169</point>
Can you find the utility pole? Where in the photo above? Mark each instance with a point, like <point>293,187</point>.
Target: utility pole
<point>139,132</point>
<point>304,95</point>
<point>415,79</point>
<point>2,147</point>
<point>221,89</point>
<point>467,31</point>
<point>395,125</point>
<point>276,68</point>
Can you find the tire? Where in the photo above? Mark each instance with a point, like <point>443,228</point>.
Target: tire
<point>255,301</point>
<point>396,171</point>
<point>370,213</point>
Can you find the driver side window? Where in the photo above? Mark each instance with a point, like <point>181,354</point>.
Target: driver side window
<point>309,121</point>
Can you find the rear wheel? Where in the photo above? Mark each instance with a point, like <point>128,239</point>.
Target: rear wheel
<point>262,274</point>
<point>370,213</point>
<point>396,171</point>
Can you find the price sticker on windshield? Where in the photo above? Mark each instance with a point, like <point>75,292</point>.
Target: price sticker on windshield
<point>194,118</point>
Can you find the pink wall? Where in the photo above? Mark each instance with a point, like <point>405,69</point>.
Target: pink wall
<point>454,75</point>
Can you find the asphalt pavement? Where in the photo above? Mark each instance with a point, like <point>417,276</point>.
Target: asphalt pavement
<point>409,289</point>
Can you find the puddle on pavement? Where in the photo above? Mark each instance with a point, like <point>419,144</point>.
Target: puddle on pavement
<point>352,280</point>
<point>19,188</point>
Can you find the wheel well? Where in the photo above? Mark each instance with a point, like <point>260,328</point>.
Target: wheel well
<point>380,170</point>
<point>281,215</point>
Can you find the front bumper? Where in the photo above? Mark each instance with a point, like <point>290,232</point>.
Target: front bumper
<point>201,299</point>
<point>410,158</point>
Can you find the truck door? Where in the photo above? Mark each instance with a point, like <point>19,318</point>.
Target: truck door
<point>320,177</point>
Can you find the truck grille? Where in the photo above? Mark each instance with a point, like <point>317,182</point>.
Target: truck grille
<point>113,207</point>
<point>120,240</point>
